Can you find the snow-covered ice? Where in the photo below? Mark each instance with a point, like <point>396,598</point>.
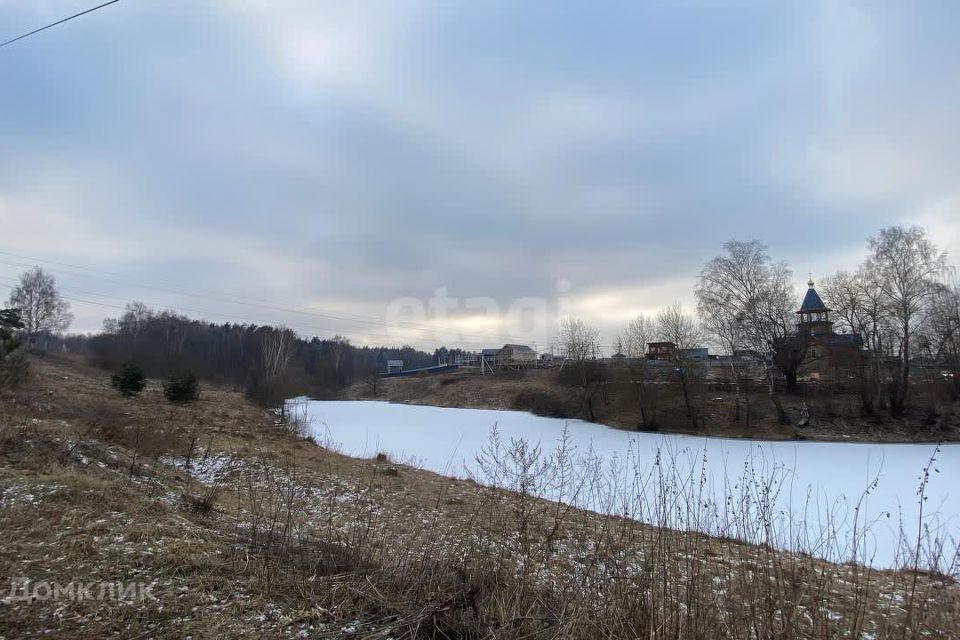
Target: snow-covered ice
<point>816,486</point>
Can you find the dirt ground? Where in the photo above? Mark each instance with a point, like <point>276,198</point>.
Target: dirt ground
<point>831,417</point>
<point>232,525</point>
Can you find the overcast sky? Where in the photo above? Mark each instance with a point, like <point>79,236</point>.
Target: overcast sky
<point>308,163</point>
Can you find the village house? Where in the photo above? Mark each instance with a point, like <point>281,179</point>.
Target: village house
<point>516,353</point>
<point>489,356</point>
<point>661,350</point>
<point>668,351</point>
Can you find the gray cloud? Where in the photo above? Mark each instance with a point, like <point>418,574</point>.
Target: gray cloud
<point>341,155</point>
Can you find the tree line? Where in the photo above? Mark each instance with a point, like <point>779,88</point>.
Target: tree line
<point>270,363</point>
<point>903,304</point>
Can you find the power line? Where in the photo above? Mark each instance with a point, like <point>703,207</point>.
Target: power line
<point>436,330</point>
<point>310,328</point>
<point>53,24</point>
<point>308,331</point>
<point>70,293</point>
<point>451,333</point>
<point>230,298</point>
<point>72,298</point>
<point>237,299</point>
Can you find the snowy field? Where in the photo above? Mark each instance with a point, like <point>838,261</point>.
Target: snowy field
<point>836,500</point>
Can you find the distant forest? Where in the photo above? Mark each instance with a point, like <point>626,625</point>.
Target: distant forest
<point>270,363</point>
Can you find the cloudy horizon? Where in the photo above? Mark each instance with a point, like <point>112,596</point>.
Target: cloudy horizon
<point>312,163</point>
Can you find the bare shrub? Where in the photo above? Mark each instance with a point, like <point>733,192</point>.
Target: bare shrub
<point>202,503</point>
<point>540,403</point>
<point>295,418</point>
<point>512,374</point>
<point>526,562</point>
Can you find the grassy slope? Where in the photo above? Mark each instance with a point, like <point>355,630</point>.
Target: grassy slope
<point>833,419</point>
<point>268,534</point>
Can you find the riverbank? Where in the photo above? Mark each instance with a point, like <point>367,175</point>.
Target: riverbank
<point>242,527</point>
<point>867,492</point>
<point>825,417</point>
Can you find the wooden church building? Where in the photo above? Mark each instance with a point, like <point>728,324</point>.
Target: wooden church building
<point>829,355</point>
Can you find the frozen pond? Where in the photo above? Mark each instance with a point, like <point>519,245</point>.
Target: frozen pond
<point>835,500</point>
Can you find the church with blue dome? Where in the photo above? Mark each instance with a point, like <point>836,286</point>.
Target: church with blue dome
<point>827,352</point>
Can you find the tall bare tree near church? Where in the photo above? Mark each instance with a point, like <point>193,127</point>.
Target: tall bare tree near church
<point>943,326</point>
<point>748,301</point>
<point>857,302</point>
<point>42,309</point>
<point>907,267</point>
<point>721,312</point>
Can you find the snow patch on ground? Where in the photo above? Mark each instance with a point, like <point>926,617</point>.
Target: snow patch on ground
<point>208,470</point>
<point>17,494</point>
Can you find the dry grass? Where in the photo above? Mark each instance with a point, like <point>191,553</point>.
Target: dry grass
<point>246,529</point>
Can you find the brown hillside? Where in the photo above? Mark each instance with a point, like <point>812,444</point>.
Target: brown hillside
<point>243,528</point>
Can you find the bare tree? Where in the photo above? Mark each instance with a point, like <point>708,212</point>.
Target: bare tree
<point>372,380</point>
<point>135,318</point>
<point>634,340</point>
<point>174,328</point>
<point>724,289</point>
<point>338,348</point>
<point>580,342</point>
<point>42,309</point>
<point>674,325</point>
<point>857,303</point>
<point>943,326</point>
<point>907,266</point>
<point>578,339</point>
<point>747,301</point>
<point>276,351</point>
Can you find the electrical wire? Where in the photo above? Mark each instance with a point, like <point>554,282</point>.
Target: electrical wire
<point>240,300</point>
<point>73,295</point>
<point>53,24</point>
